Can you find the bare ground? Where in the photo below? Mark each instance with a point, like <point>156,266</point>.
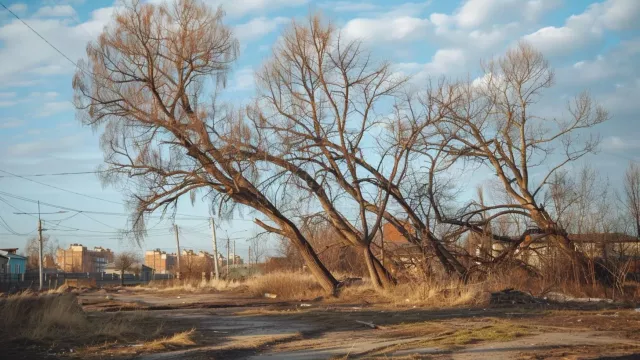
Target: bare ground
<point>233,326</point>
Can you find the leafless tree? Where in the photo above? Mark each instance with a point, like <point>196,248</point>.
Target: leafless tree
<point>632,194</point>
<point>125,261</point>
<point>145,85</point>
<point>32,250</point>
<point>494,121</point>
<point>318,114</point>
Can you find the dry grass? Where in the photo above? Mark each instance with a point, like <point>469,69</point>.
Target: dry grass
<point>190,286</point>
<point>285,285</point>
<point>178,340</point>
<point>441,292</point>
<point>59,317</point>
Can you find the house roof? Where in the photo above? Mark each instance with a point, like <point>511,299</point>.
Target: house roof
<point>11,255</point>
<point>3,256</point>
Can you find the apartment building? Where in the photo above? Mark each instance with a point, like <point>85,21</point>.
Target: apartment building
<point>160,261</point>
<point>78,258</point>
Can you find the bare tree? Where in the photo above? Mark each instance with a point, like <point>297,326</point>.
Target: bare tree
<point>32,250</point>
<point>318,114</point>
<point>632,194</point>
<point>125,261</point>
<point>494,121</point>
<point>145,84</point>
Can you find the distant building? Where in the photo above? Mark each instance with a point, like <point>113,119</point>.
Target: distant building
<point>160,261</point>
<point>77,258</point>
<point>3,264</point>
<point>15,264</point>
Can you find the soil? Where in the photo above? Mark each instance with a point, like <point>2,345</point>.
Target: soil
<point>233,326</point>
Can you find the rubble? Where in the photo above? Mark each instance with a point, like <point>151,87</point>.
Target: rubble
<point>511,296</point>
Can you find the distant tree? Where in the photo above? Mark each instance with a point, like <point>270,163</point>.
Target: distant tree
<point>125,261</point>
<point>632,194</point>
<point>32,250</point>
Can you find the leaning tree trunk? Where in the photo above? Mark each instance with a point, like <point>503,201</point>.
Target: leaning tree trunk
<point>380,277</point>
<point>317,268</point>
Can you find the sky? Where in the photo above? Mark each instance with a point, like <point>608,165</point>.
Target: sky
<point>592,45</point>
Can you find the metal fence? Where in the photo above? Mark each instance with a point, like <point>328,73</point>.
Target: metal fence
<point>31,280</point>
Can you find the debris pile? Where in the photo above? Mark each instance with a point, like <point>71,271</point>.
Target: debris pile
<point>511,296</point>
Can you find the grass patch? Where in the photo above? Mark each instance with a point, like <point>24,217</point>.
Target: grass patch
<point>178,340</point>
<point>55,322</point>
<point>190,286</point>
<point>285,285</point>
<point>59,317</point>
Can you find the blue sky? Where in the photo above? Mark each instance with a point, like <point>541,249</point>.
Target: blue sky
<point>593,45</point>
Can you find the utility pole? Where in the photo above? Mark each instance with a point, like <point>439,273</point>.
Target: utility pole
<point>40,245</point>
<point>234,252</point>
<point>228,258</point>
<point>215,249</point>
<point>178,244</point>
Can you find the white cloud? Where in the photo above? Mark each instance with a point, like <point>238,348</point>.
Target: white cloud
<point>387,29</point>
<point>445,62</point>
<point>18,8</point>
<point>9,124</point>
<point>257,28</point>
<point>237,8</point>
<point>49,95</point>
<point>475,14</point>
<point>54,107</point>
<point>616,143</point>
<point>55,11</point>
<point>347,6</point>
<point>583,28</point>
<point>38,58</point>
<point>41,147</point>
<point>243,79</point>
<point>7,99</point>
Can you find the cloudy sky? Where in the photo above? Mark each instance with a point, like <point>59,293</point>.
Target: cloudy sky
<point>593,45</point>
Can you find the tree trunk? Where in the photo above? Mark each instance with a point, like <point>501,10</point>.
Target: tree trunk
<point>122,277</point>
<point>319,271</point>
<point>380,277</point>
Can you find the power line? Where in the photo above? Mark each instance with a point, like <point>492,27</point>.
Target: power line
<point>40,36</point>
<point>61,189</point>
<point>56,174</point>
<point>106,213</point>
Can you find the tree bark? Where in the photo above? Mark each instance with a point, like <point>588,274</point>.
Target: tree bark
<point>122,277</point>
<point>380,276</point>
<point>319,271</point>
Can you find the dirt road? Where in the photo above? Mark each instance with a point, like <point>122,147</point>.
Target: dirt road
<point>233,327</point>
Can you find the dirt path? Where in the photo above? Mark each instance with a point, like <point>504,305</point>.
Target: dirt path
<point>240,328</point>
